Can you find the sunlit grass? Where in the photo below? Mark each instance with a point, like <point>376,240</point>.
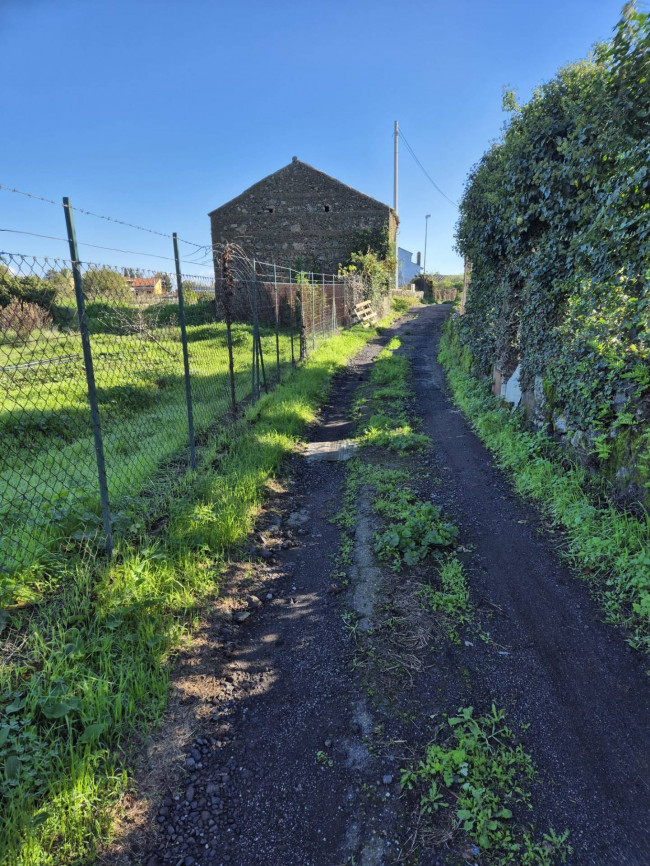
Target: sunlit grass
<point>92,672</point>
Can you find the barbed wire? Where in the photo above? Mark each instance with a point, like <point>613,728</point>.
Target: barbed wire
<point>96,215</point>
<point>265,271</point>
<point>99,247</point>
<point>426,173</point>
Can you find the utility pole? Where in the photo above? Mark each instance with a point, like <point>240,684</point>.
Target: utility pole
<point>395,169</point>
<point>426,225</point>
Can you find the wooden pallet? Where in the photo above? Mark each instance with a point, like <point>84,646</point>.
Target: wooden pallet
<point>365,314</point>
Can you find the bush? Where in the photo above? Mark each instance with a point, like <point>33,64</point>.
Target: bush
<point>30,289</point>
<point>401,305</point>
<point>555,220</point>
<point>22,318</point>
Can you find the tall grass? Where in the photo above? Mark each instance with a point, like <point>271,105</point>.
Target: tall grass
<point>87,675</point>
<point>610,547</point>
<point>48,475</point>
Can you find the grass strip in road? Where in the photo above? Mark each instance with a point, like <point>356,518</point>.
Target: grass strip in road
<point>86,676</point>
<point>388,424</point>
<point>610,547</point>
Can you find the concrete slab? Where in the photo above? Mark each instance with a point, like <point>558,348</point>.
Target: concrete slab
<point>341,449</point>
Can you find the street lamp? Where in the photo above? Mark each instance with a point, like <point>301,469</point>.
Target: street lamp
<point>426,225</point>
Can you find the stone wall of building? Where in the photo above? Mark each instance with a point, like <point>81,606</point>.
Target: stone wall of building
<point>299,216</point>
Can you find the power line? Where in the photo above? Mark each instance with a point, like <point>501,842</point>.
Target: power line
<point>96,215</point>
<point>426,173</point>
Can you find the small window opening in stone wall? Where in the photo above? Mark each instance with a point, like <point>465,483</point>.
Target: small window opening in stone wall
<point>270,209</point>
<point>327,208</point>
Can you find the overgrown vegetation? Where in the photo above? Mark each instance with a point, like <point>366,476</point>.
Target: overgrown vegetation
<point>372,264</point>
<point>477,776</point>
<point>387,423</point>
<point>402,303</point>
<point>452,597</point>
<point>556,222</point>
<point>439,288</point>
<point>87,670</point>
<point>610,547</point>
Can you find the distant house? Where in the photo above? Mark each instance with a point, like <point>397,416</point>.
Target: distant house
<point>144,286</point>
<point>408,269</point>
<point>300,215</point>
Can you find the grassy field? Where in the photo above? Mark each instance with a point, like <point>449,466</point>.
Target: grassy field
<point>86,669</point>
<point>48,475</point>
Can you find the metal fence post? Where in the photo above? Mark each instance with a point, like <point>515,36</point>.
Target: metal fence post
<point>186,357</point>
<point>228,292</point>
<point>90,378</point>
<point>261,364</point>
<point>334,321</point>
<point>313,312</point>
<point>300,297</point>
<point>255,373</point>
<point>292,314</point>
<point>277,320</point>
<point>323,305</point>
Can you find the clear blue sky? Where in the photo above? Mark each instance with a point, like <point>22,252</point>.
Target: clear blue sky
<point>157,112</point>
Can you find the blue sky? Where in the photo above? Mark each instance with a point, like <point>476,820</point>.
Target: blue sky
<point>156,112</point>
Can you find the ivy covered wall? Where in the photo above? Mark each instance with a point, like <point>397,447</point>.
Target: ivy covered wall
<point>556,222</point>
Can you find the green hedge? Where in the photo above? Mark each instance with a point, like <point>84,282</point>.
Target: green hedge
<point>556,222</point>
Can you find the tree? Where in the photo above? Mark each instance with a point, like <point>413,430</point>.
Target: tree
<point>104,284</point>
<point>29,289</point>
<point>62,281</point>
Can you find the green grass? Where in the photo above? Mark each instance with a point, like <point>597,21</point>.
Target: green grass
<point>48,475</point>
<point>402,304</point>
<point>89,675</point>
<point>473,780</point>
<point>610,547</point>
<point>452,598</point>
<point>388,395</point>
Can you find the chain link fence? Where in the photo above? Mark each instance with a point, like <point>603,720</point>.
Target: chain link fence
<point>112,387</point>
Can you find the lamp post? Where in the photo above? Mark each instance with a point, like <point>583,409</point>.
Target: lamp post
<point>426,225</point>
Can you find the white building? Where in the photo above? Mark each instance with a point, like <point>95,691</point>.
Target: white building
<point>408,269</point>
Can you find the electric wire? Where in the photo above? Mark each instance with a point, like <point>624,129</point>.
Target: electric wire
<point>426,173</point>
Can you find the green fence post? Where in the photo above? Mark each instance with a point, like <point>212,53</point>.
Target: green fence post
<point>228,292</point>
<point>90,378</point>
<point>277,320</point>
<point>255,372</point>
<point>313,312</point>
<point>186,357</point>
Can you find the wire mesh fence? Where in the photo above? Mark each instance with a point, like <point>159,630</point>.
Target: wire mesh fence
<point>110,387</point>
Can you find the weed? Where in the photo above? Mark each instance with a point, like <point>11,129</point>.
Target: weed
<point>323,759</point>
<point>417,528</point>
<point>482,775</point>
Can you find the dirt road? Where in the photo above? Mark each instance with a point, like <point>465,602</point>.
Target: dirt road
<point>286,738</point>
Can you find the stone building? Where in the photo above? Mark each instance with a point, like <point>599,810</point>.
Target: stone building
<point>300,217</point>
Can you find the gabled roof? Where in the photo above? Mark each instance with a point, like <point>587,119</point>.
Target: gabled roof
<point>143,282</point>
<point>286,169</point>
